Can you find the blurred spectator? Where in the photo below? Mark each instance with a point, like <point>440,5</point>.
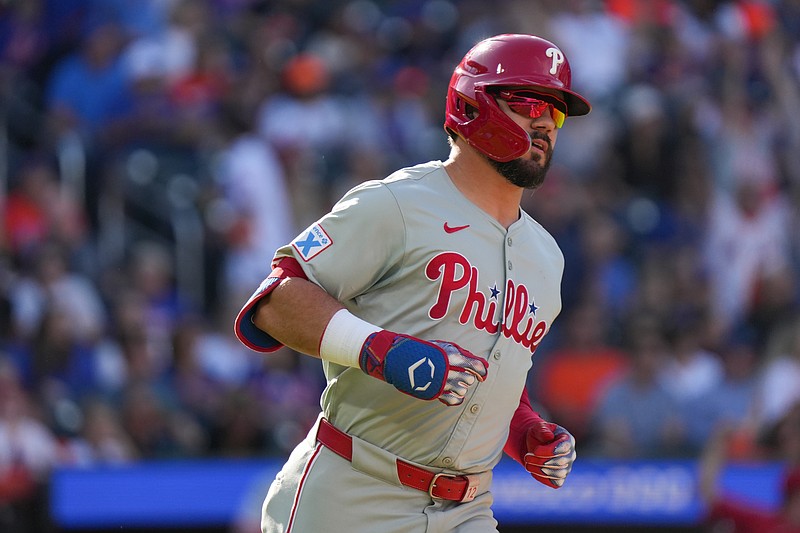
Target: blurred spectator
<point>60,317</point>
<point>691,369</point>
<point>636,417</point>
<point>690,203</point>
<point>307,125</point>
<point>157,305</point>
<point>647,143</point>
<point>176,75</point>
<point>156,428</point>
<point>152,120</point>
<point>40,209</point>
<point>254,212</point>
<point>87,101</point>
<point>742,144</point>
<point>287,390</point>
<point>23,40</point>
<point>87,91</point>
<point>401,124</point>
<point>781,440</point>
<point>101,440</point>
<point>198,94</point>
<point>239,427</point>
<point>28,452</point>
<point>196,389</point>
<point>12,346</point>
<point>25,222</point>
<point>173,110</point>
<point>143,363</point>
<point>744,517</point>
<point>571,379</point>
<point>63,364</point>
<point>747,249</point>
<point>139,17</point>
<point>188,21</point>
<point>731,403</point>
<point>608,275</point>
<point>53,285</point>
<point>223,358</point>
<point>779,389</point>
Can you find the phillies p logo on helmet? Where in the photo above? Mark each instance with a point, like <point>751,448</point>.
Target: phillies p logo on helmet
<point>557,56</point>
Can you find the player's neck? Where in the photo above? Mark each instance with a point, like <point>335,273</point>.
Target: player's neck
<point>484,186</point>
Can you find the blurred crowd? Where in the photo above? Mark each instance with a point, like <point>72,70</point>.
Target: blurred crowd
<point>154,153</point>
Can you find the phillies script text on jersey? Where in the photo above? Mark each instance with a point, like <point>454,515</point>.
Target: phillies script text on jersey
<point>519,323</point>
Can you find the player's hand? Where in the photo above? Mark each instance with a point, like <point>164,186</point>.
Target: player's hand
<point>427,370</point>
<point>551,453</point>
<point>465,370</point>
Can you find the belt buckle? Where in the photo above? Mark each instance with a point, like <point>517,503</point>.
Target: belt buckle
<point>470,491</point>
<point>433,485</point>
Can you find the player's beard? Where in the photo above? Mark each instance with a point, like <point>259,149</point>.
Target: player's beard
<point>523,172</point>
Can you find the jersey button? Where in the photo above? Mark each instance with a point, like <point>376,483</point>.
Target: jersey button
<point>474,408</point>
<point>509,241</point>
<point>496,355</point>
<point>447,461</point>
<point>509,264</point>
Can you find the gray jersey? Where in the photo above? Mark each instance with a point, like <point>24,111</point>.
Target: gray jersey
<point>412,255</point>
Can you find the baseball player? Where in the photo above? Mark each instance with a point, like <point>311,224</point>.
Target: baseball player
<point>425,295</point>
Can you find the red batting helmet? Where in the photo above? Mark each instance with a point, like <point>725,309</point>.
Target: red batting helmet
<point>509,60</point>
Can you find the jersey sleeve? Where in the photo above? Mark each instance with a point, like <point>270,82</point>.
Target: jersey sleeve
<point>360,243</point>
<point>356,245</point>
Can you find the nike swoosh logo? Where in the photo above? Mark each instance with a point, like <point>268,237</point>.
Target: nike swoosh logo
<point>453,229</point>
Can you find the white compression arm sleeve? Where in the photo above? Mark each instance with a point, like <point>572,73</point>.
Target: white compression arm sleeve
<point>344,337</point>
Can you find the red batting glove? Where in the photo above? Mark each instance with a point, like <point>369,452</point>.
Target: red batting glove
<point>551,453</point>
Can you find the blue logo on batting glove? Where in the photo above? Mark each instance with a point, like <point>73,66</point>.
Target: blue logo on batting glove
<point>416,368</point>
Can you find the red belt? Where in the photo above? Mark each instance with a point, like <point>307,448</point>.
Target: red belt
<point>439,486</point>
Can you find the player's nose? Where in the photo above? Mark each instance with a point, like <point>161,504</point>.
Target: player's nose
<point>544,124</point>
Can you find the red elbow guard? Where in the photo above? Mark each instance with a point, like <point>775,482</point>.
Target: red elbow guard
<point>246,331</point>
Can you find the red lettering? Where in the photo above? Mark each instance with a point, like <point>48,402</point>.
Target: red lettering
<point>517,310</point>
<point>446,266</point>
<point>484,313</point>
<point>537,334</point>
<point>454,273</point>
<point>520,313</point>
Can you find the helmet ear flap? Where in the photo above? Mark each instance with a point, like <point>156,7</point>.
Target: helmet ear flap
<point>490,131</point>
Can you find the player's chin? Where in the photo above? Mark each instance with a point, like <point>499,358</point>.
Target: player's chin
<point>539,158</point>
<point>536,165</point>
<point>522,172</point>
<point>537,155</point>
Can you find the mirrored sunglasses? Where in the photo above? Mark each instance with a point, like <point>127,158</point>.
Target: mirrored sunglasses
<point>534,105</point>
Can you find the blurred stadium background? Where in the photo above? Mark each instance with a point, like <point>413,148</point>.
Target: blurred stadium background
<point>154,153</point>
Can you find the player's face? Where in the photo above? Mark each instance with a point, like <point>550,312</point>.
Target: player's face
<point>541,122</point>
